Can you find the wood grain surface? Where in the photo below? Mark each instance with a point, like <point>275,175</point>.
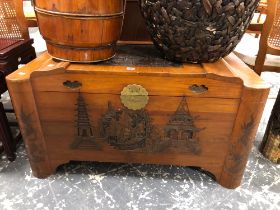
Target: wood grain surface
<point>74,112</point>
<point>86,31</point>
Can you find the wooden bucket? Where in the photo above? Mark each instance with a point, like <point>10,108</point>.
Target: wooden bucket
<point>80,31</point>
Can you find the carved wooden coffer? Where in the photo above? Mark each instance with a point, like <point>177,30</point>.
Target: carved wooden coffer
<point>139,110</point>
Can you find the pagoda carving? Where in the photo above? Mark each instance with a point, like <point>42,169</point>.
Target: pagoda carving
<point>85,138</point>
<point>181,131</point>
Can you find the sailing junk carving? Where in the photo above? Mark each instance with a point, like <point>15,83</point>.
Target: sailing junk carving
<point>125,129</point>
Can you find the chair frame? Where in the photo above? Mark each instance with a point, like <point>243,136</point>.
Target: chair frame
<point>264,48</point>
<point>22,49</point>
<point>257,27</point>
<point>21,18</point>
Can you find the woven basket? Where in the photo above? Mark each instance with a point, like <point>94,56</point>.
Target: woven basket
<point>197,30</point>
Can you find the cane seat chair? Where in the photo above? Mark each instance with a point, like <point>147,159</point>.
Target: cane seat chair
<point>15,48</point>
<point>259,17</point>
<point>270,38</point>
<point>263,54</point>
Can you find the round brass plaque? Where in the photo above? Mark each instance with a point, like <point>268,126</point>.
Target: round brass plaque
<point>134,97</point>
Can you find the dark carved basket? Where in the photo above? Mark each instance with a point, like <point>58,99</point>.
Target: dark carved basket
<point>197,30</point>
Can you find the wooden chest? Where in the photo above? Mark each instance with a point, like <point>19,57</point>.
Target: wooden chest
<point>139,108</point>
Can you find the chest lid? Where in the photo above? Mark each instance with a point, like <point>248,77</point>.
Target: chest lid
<point>142,65</point>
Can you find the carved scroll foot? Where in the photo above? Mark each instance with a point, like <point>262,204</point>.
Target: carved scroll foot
<point>230,183</point>
<point>42,174</point>
<point>48,171</point>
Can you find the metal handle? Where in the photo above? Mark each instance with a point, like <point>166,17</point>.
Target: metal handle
<point>195,88</point>
<point>72,84</point>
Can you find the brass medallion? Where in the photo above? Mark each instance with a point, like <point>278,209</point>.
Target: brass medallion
<point>134,97</point>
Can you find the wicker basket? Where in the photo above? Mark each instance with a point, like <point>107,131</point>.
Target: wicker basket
<point>197,30</point>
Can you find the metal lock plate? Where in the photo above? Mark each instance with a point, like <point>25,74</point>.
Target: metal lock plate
<point>134,97</point>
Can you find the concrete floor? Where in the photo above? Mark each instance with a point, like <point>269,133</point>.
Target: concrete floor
<point>91,185</point>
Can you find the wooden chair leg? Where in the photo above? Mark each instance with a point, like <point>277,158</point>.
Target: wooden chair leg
<point>260,60</point>
<point>258,21</point>
<point>270,146</point>
<point>6,135</point>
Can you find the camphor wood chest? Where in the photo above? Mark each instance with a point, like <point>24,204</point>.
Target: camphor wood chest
<point>139,108</point>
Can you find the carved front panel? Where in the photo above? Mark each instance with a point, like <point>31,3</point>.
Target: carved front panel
<point>125,129</point>
<point>102,126</point>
